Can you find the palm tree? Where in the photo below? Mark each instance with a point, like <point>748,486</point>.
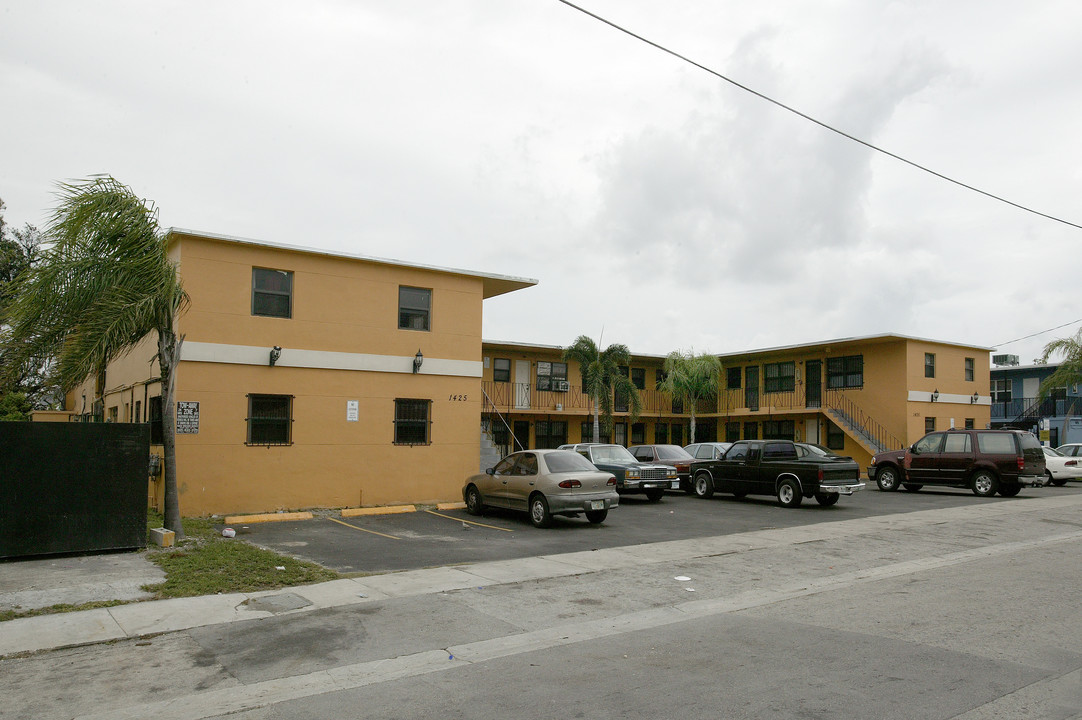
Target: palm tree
<point>601,378</point>
<point>105,283</point>
<point>690,377</point>
<point>1069,371</point>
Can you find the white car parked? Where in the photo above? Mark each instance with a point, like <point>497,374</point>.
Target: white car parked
<point>1060,468</point>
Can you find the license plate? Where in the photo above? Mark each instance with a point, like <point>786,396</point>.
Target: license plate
<point>597,504</point>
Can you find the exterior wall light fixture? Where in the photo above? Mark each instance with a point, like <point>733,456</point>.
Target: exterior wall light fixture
<point>935,394</point>
<point>973,400</point>
<point>417,360</point>
<point>275,353</point>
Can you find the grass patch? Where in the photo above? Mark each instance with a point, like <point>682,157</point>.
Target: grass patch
<point>205,563</point>
<point>60,608</point>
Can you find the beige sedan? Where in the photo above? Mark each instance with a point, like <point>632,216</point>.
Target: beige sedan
<point>543,483</point>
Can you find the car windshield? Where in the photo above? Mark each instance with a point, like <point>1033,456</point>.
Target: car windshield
<point>671,452</point>
<point>563,461</point>
<point>613,453</point>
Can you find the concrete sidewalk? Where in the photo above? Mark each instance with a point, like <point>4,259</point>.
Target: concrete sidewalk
<point>1003,520</point>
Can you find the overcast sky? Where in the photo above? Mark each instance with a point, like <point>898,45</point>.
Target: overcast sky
<point>650,199</point>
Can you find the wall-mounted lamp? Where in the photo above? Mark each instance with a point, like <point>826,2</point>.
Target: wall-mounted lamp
<point>275,353</point>
<point>417,360</point>
<point>935,394</point>
<point>973,400</point>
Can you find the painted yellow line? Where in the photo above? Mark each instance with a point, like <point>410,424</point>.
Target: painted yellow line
<point>363,529</point>
<point>384,510</point>
<point>266,517</point>
<point>451,506</point>
<point>471,522</point>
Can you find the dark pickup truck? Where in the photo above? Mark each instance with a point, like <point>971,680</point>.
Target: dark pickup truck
<point>774,467</point>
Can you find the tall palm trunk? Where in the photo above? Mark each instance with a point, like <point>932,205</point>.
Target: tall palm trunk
<point>597,422</point>
<point>168,354</point>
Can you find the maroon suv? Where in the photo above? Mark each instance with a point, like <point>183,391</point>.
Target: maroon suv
<point>985,461</point>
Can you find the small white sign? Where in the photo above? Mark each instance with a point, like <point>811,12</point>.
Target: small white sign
<point>353,410</point>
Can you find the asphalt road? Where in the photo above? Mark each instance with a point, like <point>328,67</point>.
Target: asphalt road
<point>952,608</point>
<point>427,538</point>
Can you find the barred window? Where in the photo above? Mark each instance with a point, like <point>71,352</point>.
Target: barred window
<point>835,437</point>
<point>845,372</point>
<point>272,293</point>
<point>751,431</point>
<point>661,434</point>
<point>270,419</point>
<point>588,432</point>
<point>638,433</point>
<point>414,308</point>
<point>638,378</point>
<point>550,433</point>
<point>732,378</point>
<point>412,422</point>
<point>732,432</point>
<point>779,377</point>
<point>779,429</point>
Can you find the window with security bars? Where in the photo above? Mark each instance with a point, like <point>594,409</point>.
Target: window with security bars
<point>270,419</point>
<point>272,293</point>
<point>778,429</point>
<point>412,422</point>
<point>676,431</point>
<point>732,378</point>
<point>835,437</point>
<point>845,372</point>
<point>638,433</point>
<point>588,432</point>
<point>751,431</point>
<point>550,433</point>
<point>661,433</point>
<point>732,432</point>
<point>779,377</point>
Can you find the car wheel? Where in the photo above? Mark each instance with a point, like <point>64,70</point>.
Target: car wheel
<point>789,494</point>
<point>985,484</point>
<point>655,495</point>
<point>912,487</point>
<point>827,499</point>
<point>704,485</point>
<point>539,511</point>
<point>474,506</point>
<point>1010,490</point>
<point>887,478</point>
<point>596,516</point>
<point>1060,483</point>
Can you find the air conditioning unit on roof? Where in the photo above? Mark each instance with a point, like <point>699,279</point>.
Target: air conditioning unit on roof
<point>1004,359</point>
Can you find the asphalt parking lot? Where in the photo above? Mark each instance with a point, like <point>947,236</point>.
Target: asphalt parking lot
<point>431,538</point>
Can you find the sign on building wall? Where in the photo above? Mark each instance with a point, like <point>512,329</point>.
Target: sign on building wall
<point>187,418</point>
<point>353,410</point>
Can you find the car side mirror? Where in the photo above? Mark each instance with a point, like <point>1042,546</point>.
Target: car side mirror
<point>490,471</point>
<point>913,449</point>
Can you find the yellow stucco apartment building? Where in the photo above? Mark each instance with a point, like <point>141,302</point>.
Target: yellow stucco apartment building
<point>320,379</point>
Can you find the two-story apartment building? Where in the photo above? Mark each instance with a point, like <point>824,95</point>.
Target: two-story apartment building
<point>855,395</point>
<point>1056,419</point>
<point>310,378</point>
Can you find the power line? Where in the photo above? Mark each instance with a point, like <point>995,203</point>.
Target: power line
<point>809,118</point>
<point>1042,332</point>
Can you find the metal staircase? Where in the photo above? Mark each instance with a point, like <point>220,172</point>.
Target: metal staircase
<point>859,425</point>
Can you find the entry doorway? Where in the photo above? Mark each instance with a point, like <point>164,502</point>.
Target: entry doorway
<point>522,385</point>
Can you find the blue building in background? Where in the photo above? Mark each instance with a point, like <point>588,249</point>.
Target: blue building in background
<point>1014,390</point>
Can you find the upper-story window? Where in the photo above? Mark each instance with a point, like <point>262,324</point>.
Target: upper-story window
<point>969,369</point>
<point>732,377</point>
<point>501,370</point>
<point>272,293</point>
<point>779,377</point>
<point>845,372</point>
<point>638,378</point>
<point>552,376</point>
<point>1001,390</point>
<point>929,365</point>
<point>414,308</point>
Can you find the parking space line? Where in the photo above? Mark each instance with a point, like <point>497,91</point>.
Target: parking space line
<point>363,529</point>
<point>471,522</point>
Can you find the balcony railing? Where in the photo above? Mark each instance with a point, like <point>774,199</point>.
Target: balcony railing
<point>1019,409</point>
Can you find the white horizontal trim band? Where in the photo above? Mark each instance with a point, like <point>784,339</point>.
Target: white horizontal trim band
<point>926,396</point>
<point>324,360</point>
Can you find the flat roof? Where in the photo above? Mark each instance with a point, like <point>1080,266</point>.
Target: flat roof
<point>493,284</point>
<point>864,339</point>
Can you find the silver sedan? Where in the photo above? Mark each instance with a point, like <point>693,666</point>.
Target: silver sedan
<point>543,483</point>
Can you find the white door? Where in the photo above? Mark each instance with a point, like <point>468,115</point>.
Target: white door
<point>1030,386</point>
<point>811,430</point>
<point>522,384</point>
